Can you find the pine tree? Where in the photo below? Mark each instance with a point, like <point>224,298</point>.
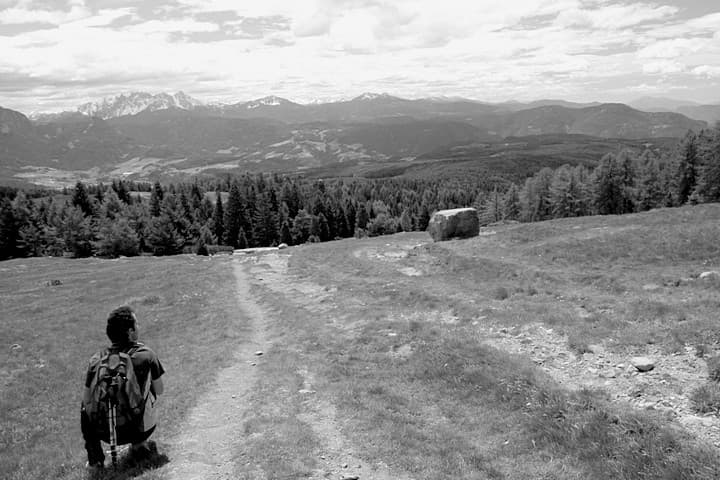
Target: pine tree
<point>233,216</point>
<point>708,186</point>
<point>205,238</point>
<point>117,237</point>
<point>362,218</point>
<point>511,203</point>
<point>81,199</point>
<point>77,232</point>
<point>285,235</point>
<point>218,218</point>
<point>156,198</point>
<point>687,167</point>
<point>8,230</point>
<point>608,186</point>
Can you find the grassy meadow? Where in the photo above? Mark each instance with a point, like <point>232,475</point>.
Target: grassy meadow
<point>390,339</point>
<point>378,355</point>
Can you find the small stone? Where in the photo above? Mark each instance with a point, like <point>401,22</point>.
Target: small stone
<point>233,396</point>
<point>15,346</point>
<point>642,364</point>
<point>350,477</point>
<point>345,465</point>
<point>305,391</point>
<point>258,353</point>
<point>253,364</point>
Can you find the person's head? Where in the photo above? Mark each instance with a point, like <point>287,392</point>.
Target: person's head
<point>122,326</point>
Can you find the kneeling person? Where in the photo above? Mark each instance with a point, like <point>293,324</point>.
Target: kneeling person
<point>140,383</point>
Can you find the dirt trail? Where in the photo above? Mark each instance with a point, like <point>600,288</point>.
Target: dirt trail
<point>338,458</point>
<point>204,449</point>
<point>209,436</point>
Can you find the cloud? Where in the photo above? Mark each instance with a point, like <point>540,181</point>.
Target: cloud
<point>711,71</point>
<point>663,67</point>
<point>13,29</point>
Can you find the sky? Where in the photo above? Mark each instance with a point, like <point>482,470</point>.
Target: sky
<point>56,55</point>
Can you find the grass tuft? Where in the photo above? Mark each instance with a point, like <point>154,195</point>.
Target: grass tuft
<point>706,398</point>
<point>713,364</point>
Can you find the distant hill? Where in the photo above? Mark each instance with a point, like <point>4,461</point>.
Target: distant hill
<point>610,120</point>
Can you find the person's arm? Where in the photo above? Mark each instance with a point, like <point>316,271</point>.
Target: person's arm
<point>157,387</point>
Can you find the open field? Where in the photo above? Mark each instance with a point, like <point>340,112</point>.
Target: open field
<point>506,356</point>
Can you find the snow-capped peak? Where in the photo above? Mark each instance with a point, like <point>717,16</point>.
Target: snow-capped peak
<point>270,101</point>
<point>136,102</point>
<point>371,96</point>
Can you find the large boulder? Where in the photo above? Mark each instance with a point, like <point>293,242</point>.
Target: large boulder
<point>455,223</point>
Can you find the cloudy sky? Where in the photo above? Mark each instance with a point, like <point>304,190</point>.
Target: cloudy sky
<point>56,54</point>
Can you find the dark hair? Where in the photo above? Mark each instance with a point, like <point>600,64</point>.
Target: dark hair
<point>119,322</point>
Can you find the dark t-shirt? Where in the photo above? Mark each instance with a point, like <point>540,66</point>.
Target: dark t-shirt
<point>144,360</point>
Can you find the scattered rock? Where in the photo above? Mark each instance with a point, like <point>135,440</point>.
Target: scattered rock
<point>710,274</point>
<point>53,283</point>
<point>454,223</point>
<point>258,353</point>
<point>350,477</point>
<point>608,373</point>
<point>305,391</point>
<point>642,364</point>
<point>15,346</point>
<point>651,287</point>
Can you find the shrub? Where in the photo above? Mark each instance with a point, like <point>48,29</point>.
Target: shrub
<point>706,399</point>
<point>501,293</point>
<point>702,350</point>
<point>578,344</point>
<point>713,364</point>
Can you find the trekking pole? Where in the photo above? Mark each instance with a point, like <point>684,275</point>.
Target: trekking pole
<point>113,438</point>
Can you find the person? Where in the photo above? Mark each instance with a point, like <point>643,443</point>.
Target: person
<point>122,330</point>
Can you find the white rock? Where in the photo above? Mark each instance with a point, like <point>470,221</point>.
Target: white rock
<point>642,364</point>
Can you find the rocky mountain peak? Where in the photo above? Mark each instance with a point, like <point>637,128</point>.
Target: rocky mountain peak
<point>135,102</point>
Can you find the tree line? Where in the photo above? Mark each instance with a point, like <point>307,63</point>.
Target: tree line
<point>128,218</point>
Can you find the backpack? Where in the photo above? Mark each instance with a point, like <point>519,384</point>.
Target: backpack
<point>115,384</point>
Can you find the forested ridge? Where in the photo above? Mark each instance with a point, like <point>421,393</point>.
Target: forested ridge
<point>268,209</point>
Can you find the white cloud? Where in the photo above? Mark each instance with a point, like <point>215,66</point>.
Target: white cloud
<point>707,71</point>
<point>663,67</point>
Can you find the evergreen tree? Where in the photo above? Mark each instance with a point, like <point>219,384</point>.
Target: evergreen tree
<point>117,237</point>
<point>233,216</point>
<point>8,230</point>
<point>156,198</point>
<point>608,186</point>
<point>81,199</point>
<point>205,238</point>
<point>406,221</point>
<point>650,189</point>
<point>687,166</point>
<point>362,218</point>
<point>511,203</point>
<point>77,232</point>
<point>242,241</point>
<point>301,227</point>
<point>285,235</point>
<point>708,186</point>
<point>218,218</point>
<point>163,237</point>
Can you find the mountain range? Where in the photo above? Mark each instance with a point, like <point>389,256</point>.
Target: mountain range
<point>145,136</point>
